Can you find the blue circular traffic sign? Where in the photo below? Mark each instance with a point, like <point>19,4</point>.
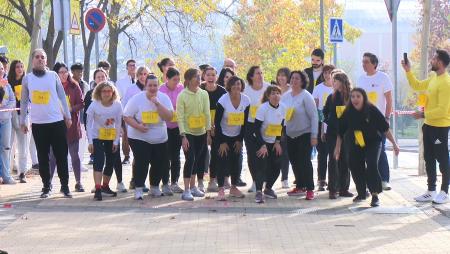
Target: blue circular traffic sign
<point>95,20</point>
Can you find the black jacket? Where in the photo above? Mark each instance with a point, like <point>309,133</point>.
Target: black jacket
<point>311,84</point>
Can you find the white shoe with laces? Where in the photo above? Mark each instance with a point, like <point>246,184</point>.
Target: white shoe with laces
<point>426,197</point>
<point>441,198</point>
<point>197,193</point>
<point>138,193</point>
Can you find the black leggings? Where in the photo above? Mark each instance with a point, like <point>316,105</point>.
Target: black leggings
<point>300,149</point>
<point>195,155</point>
<point>435,148</point>
<point>250,145</point>
<point>118,164</point>
<point>51,135</point>
<point>322,155</point>
<point>338,172</point>
<point>213,158</point>
<point>174,146</point>
<point>146,154</point>
<point>228,164</point>
<point>284,159</point>
<point>104,156</point>
<point>363,164</point>
<point>268,168</point>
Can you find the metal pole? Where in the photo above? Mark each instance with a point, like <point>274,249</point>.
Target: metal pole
<point>322,27</point>
<point>97,50</point>
<point>73,49</point>
<point>66,58</point>
<point>423,73</point>
<point>394,9</point>
<point>335,54</point>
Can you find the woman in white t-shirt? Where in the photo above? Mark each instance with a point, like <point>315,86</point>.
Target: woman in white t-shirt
<point>232,110</point>
<point>145,115</point>
<point>104,118</point>
<point>320,94</point>
<point>269,122</point>
<point>282,80</point>
<point>254,90</point>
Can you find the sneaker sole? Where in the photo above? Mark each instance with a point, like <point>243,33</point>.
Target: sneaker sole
<point>296,195</point>
<point>270,197</point>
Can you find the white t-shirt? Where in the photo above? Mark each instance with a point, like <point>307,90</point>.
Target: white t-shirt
<point>376,86</point>
<point>225,101</point>
<point>255,97</point>
<point>101,117</point>
<point>123,84</point>
<point>321,92</point>
<point>139,106</point>
<point>316,75</point>
<point>270,116</point>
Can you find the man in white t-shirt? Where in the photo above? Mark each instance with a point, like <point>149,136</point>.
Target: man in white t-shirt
<point>122,86</point>
<point>378,87</point>
<point>320,95</point>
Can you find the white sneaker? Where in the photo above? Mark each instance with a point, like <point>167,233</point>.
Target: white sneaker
<point>121,187</point>
<point>212,186</point>
<point>253,188</point>
<point>426,197</point>
<point>197,193</point>
<point>139,193</point>
<point>285,184</point>
<point>175,188</point>
<point>155,191</point>
<point>201,186</point>
<point>166,190</point>
<point>386,186</point>
<point>187,195</point>
<point>441,198</point>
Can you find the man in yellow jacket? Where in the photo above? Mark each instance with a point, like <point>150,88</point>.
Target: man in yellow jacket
<point>436,124</point>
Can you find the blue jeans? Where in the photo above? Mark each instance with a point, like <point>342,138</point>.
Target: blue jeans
<point>383,165</point>
<point>5,148</point>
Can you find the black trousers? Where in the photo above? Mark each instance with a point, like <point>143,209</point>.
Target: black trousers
<point>146,154</point>
<point>250,145</point>
<point>435,148</point>
<point>174,146</point>
<point>363,164</point>
<point>284,159</point>
<point>338,171</point>
<point>51,135</point>
<point>195,155</point>
<point>229,164</point>
<point>300,149</point>
<point>322,156</point>
<point>104,158</point>
<point>267,168</point>
<point>118,165</point>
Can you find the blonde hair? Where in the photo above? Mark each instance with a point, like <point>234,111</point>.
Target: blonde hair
<point>97,94</point>
<point>141,69</point>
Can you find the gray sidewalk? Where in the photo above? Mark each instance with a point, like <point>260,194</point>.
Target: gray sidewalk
<point>169,225</point>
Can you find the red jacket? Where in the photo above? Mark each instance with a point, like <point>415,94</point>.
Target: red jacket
<point>75,95</point>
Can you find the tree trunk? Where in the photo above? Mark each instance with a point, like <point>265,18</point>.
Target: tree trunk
<point>36,29</point>
<point>50,45</point>
<point>114,32</point>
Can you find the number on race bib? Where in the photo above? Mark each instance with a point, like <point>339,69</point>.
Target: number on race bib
<point>236,119</point>
<point>273,130</point>
<point>339,111</point>
<point>18,91</point>
<point>40,97</point>
<point>107,134</point>
<point>150,117</point>
<point>196,122</point>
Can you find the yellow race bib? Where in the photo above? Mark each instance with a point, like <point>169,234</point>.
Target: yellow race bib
<point>253,110</point>
<point>150,117</point>
<point>107,134</point>
<point>359,139</point>
<point>236,119</point>
<point>196,122</point>
<point>40,97</point>
<point>373,97</point>
<point>174,117</point>
<point>68,101</point>
<point>18,91</point>
<point>289,113</point>
<point>339,111</point>
<point>422,100</point>
<point>212,112</point>
<point>273,130</point>
<point>324,99</point>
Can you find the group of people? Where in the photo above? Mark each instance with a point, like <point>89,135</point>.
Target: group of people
<point>211,116</point>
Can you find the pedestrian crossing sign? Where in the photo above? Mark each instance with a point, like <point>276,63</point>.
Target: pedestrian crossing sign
<point>336,30</point>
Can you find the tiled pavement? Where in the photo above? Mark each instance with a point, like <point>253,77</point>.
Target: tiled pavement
<point>169,225</point>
